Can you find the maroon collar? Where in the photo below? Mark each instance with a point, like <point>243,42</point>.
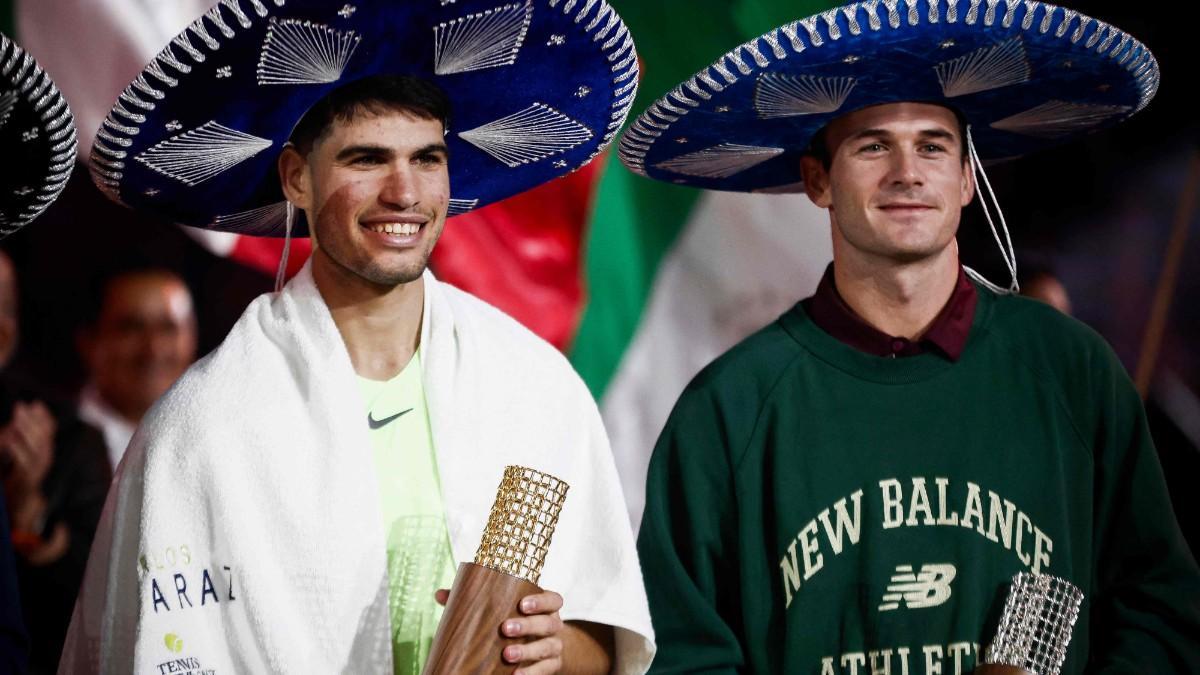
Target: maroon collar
<point>948,332</point>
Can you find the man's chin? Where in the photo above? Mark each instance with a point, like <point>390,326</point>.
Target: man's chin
<point>909,253</point>
<point>914,249</point>
<point>383,271</point>
<point>392,277</point>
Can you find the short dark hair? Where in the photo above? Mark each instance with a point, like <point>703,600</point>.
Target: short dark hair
<point>102,281</point>
<point>375,94</point>
<point>818,148</point>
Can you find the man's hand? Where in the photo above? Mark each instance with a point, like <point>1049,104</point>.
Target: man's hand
<point>539,620</point>
<point>590,644</point>
<point>26,451</point>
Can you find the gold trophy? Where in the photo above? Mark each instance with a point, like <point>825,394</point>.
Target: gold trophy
<point>1035,629</point>
<point>507,567</point>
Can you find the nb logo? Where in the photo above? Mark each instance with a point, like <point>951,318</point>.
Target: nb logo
<point>928,588</point>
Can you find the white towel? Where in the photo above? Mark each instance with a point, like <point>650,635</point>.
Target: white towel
<point>243,532</point>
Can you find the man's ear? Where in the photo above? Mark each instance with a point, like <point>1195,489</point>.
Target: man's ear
<point>968,182</point>
<point>295,177</point>
<point>816,181</point>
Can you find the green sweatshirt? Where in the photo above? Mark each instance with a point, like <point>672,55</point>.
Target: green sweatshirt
<point>814,509</point>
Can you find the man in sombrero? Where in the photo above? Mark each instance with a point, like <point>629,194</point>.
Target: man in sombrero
<point>293,503</point>
<point>853,488</point>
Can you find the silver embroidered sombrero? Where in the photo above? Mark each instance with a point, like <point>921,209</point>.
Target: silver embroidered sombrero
<point>1024,75</point>
<point>37,139</point>
<point>537,89</point>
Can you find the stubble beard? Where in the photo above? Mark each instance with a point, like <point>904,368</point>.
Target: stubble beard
<point>376,271</point>
<point>382,275</point>
<point>882,247</point>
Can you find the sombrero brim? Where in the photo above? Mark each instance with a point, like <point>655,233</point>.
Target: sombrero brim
<point>537,88</point>
<point>1024,74</point>
<point>37,139</point>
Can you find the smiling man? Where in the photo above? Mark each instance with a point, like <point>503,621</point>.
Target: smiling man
<point>852,489</point>
<point>894,178</point>
<point>139,339</point>
<point>300,500</point>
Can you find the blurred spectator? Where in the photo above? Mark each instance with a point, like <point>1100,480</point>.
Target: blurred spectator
<point>1048,289</point>
<point>139,341</point>
<point>55,477</point>
<point>1039,281</point>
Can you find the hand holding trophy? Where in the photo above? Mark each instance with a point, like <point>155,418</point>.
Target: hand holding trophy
<point>507,567</point>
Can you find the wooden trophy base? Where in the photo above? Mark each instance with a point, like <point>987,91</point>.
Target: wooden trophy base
<point>468,640</point>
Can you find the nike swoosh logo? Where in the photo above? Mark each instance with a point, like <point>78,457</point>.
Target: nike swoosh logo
<point>378,424</point>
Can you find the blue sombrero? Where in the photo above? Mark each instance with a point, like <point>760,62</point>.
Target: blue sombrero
<point>37,139</point>
<point>537,87</point>
<point>1024,75</point>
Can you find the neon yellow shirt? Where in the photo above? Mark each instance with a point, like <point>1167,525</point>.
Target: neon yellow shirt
<point>418,545</point>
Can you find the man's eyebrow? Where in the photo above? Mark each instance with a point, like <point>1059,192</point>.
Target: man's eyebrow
<point>935,132</point>
<point>432,148</point>
<point>872,132</point>
<point>369,149</point>
<point>362,149</point>
<point>938,133</point>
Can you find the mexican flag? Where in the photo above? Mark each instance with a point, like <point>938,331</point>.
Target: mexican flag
<point>640,283</point>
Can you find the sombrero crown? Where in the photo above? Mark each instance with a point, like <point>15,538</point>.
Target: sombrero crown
<point>1024,74</point>
<point>537,88</point>
<point>37,139</point>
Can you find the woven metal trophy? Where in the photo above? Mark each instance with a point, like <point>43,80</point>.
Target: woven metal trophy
<point>1035,629</point>
<point>507,567</point>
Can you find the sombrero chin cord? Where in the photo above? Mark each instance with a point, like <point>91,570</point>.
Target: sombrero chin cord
<point>281,273</point>
<point>1006,246</point>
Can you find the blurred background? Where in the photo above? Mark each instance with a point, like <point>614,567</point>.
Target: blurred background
<point>642,283</point>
